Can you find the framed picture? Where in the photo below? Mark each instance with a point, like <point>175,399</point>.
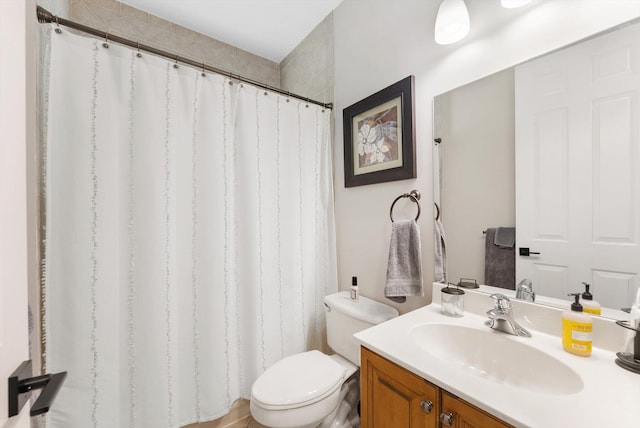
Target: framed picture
<point>379,136</point>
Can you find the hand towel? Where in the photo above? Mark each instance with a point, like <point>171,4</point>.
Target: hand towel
<point>505,237</point>
<point>499,263</point>
<point>404,269</point>
<point>440,252</point>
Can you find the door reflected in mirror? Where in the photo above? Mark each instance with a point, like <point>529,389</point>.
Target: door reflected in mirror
<point>552,148</point>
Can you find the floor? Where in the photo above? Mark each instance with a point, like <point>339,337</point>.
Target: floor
<point>238,417</point>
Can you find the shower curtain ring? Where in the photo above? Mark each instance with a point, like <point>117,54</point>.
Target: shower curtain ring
<point>139,55</point>
<point>106,40</point>
<point>307,105</point>
<point>57,30</point>
<point>176,64</point>
<point>203,73</point>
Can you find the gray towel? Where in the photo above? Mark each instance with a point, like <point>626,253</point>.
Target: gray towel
<point>404,269</point>
<point>505,237</point>
<point>440,252</point>
<point>499,263</point>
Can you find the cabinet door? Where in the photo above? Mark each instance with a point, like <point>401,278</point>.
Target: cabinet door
<point>464,415</point>
<point>392,397</point>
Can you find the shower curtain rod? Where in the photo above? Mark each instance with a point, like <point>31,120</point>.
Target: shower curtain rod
<point>46,17</point>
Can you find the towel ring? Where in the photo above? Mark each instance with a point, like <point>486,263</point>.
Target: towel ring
<point>414,195</point>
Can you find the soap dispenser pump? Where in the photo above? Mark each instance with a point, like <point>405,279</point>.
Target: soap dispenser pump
<point>589,305</point>
<point>576,329</point>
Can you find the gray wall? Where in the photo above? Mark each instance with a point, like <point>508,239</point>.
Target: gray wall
<point>308,69</point>
<point>57,7</point>
<point>477,168</point>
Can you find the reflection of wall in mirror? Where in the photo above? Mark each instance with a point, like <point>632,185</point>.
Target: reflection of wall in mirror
<point>476,168</point>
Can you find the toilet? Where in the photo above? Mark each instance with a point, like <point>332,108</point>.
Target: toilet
<point>312,389</point>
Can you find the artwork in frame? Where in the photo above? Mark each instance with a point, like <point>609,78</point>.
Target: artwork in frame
<point>379,136</point>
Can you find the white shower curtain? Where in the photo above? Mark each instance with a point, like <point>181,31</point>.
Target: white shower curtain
<point>189,235</point>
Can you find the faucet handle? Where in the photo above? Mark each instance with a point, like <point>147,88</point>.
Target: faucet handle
<point>525,285</point>
<point>524,291</point>
<point>502,302</point>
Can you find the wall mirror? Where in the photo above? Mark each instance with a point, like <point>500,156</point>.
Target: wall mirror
<point>550,147</point>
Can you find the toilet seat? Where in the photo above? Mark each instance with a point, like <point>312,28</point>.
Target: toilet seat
<point>297,381</point>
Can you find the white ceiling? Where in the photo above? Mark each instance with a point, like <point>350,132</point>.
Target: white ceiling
<point>268,28</point>
<point>273,28</point>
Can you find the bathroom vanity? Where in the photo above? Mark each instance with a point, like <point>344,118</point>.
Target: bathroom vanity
<point>426,369</point>
<point>392,396</point>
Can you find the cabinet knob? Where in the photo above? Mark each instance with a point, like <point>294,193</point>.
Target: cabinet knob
<point>446,419</point>
<point>426,406</point>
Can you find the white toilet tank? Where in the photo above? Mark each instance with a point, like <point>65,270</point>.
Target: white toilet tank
<point>346,317</point>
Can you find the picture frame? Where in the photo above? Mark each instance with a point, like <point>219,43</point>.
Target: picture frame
<point>379,136</point>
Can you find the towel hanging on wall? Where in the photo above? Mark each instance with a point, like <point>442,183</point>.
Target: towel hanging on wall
<point>499,263</point>
<point>440,252</point>
<point>505,237</point>
<point>404,268</point>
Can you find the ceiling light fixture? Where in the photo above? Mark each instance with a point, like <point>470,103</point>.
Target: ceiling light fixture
<point>511,4</point>
<point>452,22</point>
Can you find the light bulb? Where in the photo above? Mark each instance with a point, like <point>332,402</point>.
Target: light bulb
<point>510,4</point>
<point>452,22</point>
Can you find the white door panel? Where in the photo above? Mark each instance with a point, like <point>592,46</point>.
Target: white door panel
<point>615,195</point>
<point>577,168</point>
<point>550,280</point>
<point>618,286</point>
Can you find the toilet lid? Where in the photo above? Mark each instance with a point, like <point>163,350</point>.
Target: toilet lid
<point>298,380</point>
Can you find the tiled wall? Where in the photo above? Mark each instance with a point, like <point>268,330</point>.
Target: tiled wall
<point>126,21</point>
<point>308,69</point>
<point>57,7</point>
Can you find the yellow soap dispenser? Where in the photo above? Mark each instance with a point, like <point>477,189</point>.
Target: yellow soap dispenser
<point>576,329</point>
<point>589,305</point>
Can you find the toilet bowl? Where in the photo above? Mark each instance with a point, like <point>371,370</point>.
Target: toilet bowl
<point>312,389</point>
<point>300,390</point>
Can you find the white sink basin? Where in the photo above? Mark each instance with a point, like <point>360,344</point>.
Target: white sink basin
<point>497,357</point>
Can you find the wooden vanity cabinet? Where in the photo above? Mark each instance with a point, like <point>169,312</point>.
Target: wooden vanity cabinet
<point>393,397</point>
<point>465,415</point>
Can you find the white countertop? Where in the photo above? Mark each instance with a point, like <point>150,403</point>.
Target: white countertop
<point>610,396</point>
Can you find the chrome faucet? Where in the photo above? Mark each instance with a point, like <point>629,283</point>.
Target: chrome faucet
<point>501,317</point>
<point>524,291</point>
